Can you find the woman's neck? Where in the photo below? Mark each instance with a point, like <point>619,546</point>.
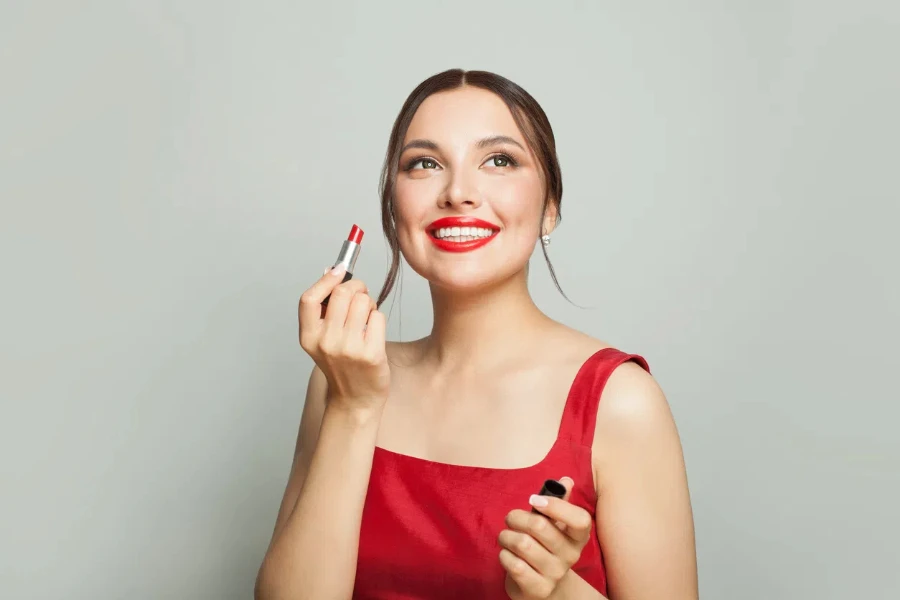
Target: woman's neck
<point>480,328</point>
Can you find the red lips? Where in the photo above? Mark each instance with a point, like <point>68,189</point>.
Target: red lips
<point>449,246</point>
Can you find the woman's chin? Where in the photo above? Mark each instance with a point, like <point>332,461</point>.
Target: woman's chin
<point>466,283</point>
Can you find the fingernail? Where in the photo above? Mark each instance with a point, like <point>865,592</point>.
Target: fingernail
<point>338,270</point>
<point>536,500</point>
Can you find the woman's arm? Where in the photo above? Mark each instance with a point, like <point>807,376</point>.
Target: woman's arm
<point>644,517</point>
<point>314,545</point>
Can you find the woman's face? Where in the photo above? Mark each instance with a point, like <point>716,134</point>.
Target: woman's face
<point>469,192</point>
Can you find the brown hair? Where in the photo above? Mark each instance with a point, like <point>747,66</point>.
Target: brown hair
<point>529,117</point>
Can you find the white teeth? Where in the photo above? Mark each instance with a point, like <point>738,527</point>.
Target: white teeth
<point>458,233</point>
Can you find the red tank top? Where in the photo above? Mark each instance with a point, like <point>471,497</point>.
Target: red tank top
<point>429,529</point>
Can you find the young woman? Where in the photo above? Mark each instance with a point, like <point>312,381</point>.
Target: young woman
<point>417,463</point>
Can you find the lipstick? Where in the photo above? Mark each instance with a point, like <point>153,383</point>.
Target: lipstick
<point>552,488</point>
<point>348,254</point>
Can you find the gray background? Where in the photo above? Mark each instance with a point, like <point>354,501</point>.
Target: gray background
<point>175,174</point>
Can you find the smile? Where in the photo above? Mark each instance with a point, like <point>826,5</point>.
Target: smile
<point>461,234</point>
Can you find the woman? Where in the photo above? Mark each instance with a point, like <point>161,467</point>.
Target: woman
<point>417,463</point>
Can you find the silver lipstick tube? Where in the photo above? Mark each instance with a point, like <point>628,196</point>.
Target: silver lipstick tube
<point>347,256</point>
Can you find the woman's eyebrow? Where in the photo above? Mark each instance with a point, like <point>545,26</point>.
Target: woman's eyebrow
<point>497,139</point>
<point>421,144</point>
<point>424,144</point>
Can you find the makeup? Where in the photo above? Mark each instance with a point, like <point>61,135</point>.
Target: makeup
<point>553,488</point>
<point>443,231</point>
<point>348,255</point>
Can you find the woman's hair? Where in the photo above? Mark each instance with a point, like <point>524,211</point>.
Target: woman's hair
<point>530,118</point>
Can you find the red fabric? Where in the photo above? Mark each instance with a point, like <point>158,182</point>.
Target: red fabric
<point>429,530</point>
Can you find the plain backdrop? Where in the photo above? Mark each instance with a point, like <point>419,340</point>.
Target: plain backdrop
<point>174,174</point>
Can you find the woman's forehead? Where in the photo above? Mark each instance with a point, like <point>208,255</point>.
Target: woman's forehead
<point>461,115</point>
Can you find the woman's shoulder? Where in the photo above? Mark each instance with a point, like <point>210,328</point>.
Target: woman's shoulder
<point>633,416</point>
<point>404,353</point>
<point>630,395</point>
<point>577,347</point>
<point>573,347</point>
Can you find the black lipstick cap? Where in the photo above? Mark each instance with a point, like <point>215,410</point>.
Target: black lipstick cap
<point>553,488</point>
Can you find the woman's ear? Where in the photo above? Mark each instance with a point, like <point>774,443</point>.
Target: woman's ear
<point>551,217</point>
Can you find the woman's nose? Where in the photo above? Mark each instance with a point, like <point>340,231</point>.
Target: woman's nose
<point>461,191</point>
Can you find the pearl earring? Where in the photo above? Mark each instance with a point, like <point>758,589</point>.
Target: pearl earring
<point>545,240</point>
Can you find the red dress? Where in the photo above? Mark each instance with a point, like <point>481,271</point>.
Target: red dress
<point>429,530</point>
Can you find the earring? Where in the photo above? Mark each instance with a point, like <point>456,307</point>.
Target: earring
<point>545,240</point>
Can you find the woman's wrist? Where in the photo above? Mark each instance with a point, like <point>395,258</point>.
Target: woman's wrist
<point>358,414</point>
<point>573,587</point>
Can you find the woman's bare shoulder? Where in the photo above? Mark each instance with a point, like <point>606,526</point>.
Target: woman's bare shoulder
<point>634,419</point>
<point>404,354</point>
<point>571,345</point>
<point>631,397</point>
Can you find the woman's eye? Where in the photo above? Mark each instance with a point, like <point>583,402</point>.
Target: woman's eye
<point>424,163</point>
<point>501,160</point>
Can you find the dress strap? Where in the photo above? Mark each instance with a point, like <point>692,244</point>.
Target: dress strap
<point>580,415</point>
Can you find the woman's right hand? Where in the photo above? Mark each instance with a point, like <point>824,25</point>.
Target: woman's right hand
<point>347,342</point>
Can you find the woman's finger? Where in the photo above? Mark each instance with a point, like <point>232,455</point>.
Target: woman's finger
<point>528,580</point>
<point>375,332</point>
<point>546,533</point>
<point>524,546</point>
<point>310,310</point>
<point>357,315</point>
<point>577,521</point>
<point>339,303</point>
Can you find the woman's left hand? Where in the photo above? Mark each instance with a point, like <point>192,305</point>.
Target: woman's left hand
<point>538,550</point>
